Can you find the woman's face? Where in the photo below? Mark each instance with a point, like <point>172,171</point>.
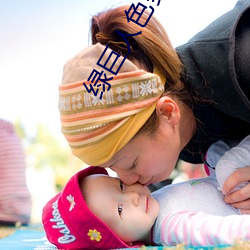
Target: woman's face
<point>147,159</point>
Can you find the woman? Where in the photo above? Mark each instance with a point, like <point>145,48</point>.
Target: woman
<point>139,123</point>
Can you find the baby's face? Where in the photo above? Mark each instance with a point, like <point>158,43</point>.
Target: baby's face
<point>130,211</point>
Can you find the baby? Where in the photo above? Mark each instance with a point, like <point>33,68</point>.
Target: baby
<point>96,211</point>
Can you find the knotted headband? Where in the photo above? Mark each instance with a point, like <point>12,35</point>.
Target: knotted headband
<point>98,128</point>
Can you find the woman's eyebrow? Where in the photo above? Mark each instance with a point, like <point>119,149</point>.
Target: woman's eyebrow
<point>115,163</point>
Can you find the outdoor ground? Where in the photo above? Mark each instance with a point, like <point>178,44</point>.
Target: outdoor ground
<point>33,237</point>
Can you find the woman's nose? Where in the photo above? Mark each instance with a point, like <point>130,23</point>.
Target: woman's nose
<point>126,177</point>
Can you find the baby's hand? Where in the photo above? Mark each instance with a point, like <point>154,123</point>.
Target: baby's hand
<point>240,198</point>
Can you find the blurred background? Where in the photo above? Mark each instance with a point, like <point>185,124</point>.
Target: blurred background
<point>36,39</point>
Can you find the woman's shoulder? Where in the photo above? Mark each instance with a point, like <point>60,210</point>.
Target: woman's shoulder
<point>209,65</point>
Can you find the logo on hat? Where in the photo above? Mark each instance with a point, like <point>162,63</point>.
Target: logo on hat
<point>94,235</point>
<point>67,237</point>
<point>71,201</point>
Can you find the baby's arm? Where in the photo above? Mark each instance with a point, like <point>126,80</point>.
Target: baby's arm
<point>237,157</point>
<point>201,229</point>
<point>214,153</point>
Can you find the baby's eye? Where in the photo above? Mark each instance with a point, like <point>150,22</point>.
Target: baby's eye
<point>120,206</point>
<point>121,185</point>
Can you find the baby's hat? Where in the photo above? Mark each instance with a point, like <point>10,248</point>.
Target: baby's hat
<point>69,223</point>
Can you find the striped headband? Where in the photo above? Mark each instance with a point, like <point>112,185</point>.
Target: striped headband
<point>96,128</point>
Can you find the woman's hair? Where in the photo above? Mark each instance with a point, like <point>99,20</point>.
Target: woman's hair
<point>150,49</point>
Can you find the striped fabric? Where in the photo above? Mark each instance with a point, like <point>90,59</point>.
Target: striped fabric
<point>15,200</point>
<point>98,124</point>
<point>202,229</point>
<point>87,120</point>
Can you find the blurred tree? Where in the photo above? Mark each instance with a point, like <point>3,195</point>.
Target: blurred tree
<point>20,130</point>
<point>45,150</point>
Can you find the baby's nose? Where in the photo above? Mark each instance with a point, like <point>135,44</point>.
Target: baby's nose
<point>133,198</point>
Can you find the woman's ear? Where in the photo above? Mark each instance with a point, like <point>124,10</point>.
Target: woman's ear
<point>168,109</point>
